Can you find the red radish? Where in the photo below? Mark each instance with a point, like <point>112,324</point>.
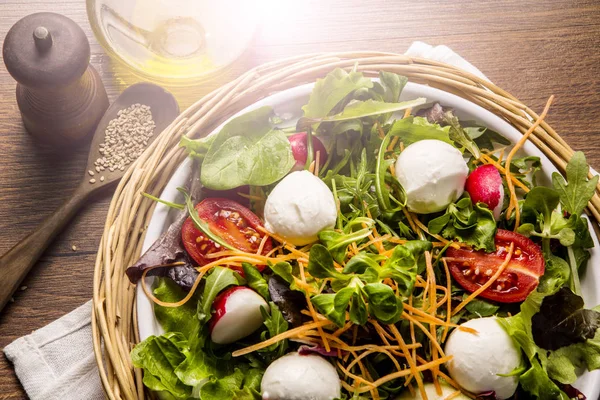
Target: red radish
<point>236,314</point>
<point>300,152</point>
<point>484,185</point>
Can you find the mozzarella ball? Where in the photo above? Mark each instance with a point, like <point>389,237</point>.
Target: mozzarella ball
<point>477,359</point>
<point>432,394</point>
<point>300,207</point>
<point>433,173</point>
<point>298,377</point>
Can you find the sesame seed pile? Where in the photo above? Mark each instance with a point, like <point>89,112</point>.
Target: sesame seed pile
<point>125,139</point>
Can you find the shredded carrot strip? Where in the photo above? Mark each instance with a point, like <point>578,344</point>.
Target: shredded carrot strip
<point>449,304</point>
<point>282,336</point>
<point>181,302</point>
<point>438,237</point>
<point>452,395</point>
<point>317,159</point>
<point>274,236</point>
<point>489,283</point>
<point>355,377</point>
<point>513,196</point>
<point>393,143</point>
<point>411,363</point>
<point>410,220</point>
<point>407,112</point>
<point>488,160</point>
<point>262,245</point>
<point>425,331</point>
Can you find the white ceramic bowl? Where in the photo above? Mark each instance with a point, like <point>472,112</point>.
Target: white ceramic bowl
<point>288,105</point>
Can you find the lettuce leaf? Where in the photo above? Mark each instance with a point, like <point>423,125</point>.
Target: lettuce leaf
<point>180,319</point>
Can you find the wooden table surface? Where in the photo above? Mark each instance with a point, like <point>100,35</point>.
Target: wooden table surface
<point>531,48</point>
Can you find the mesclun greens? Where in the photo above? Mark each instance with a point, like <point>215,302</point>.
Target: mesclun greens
<point>376,274</point>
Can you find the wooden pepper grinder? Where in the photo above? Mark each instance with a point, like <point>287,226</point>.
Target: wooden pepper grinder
<point>60,95</point>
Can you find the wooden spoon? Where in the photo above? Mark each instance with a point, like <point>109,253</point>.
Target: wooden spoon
<point>18,261</point>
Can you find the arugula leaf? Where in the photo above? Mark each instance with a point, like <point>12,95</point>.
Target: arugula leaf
<point>255,280</point>
<point>219,279</point>
<point>459,135</point>
<point>175,319</point>
<point>383,303</point>
<point>413,129</point>
<point>360,109</point>
<point>276,324</point>
<point>562,321</point>
<point>320,264</point>
<point>158,356</point>
<point>381,189</point>
<point>578,190</point>
<point>200,224</point>
<point>247,151</point>
<point>331,90</point>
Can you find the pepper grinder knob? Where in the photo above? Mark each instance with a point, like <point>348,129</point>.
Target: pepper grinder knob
<point>42,38</point>
<point>60,95</point>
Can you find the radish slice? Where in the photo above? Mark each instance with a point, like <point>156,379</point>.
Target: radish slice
<point>484,185</point>
<point>237,314</point>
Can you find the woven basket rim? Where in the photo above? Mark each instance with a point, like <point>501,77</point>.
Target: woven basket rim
<point>114,320</point>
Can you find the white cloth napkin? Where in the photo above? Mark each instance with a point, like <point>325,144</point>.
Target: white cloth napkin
<point>57,361</point>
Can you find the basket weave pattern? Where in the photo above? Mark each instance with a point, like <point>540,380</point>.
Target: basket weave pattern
<point>114,320</point>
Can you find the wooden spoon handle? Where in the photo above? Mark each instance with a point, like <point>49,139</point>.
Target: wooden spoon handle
<point>16,263</point>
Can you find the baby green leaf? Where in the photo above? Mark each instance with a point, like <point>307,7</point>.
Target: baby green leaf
<point>383,303</point>
<point>256,281</point>
<point>247,151</point>
<point>320,264</point>
<point>325,304</point>
<point>577,190</point>
<point>284,270</point>
<point>359,263</point>
<point>413,129</point>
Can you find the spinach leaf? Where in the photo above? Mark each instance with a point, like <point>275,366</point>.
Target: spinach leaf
<point>219,279</point>
<point>331,90</point>
<point>175,319</point>
<point>359,109</point>
<point>413,129</point>
<point>481,307</point>
<point>578,190</point>
<point>562,321</point>
<point>247,151</point>
<point>320,264</point>
<point>197,149</point>
<point>383,303</point>
<point>255,280</point>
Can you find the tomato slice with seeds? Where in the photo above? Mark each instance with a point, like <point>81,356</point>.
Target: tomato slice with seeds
<point>472,269</point>
<point>231,221</point>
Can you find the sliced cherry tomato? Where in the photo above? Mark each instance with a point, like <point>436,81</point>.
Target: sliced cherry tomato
<point>472,269</point>
<point>231,221</point>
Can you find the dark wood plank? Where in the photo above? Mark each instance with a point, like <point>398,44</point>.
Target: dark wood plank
<point>530,48</point>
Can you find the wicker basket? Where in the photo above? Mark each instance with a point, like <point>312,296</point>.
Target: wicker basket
<point>114,319</point>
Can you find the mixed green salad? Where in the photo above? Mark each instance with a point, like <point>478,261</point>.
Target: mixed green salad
<point>374,249</point>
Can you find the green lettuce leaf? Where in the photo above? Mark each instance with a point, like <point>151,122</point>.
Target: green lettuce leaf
<point>247,151</point>
<point>413,129</point>
<point>331,90</point>
<point>159,356</point>
<point>175,319</point>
